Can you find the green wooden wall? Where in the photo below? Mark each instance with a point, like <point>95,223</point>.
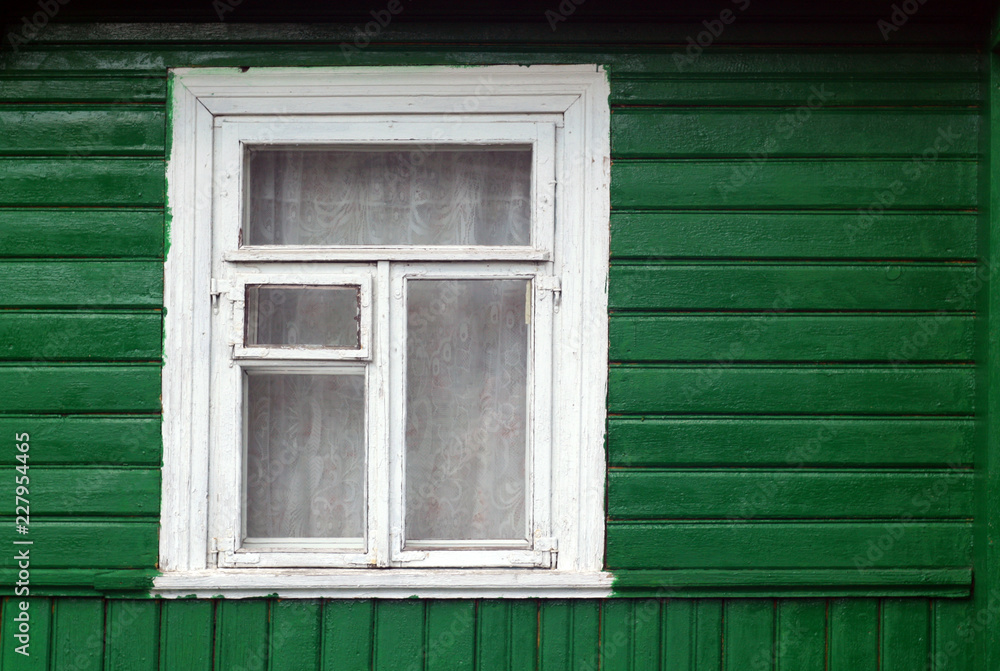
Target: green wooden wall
<point>791,401</point>
<point>846,634</point>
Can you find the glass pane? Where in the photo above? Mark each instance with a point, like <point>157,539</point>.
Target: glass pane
<point>418,195</point>
<point>305,469</point>
<point>304,316</point>
<point>466,423</point>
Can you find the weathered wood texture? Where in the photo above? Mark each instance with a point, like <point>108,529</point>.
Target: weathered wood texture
<point>650,634</point>
<point>792,298</point>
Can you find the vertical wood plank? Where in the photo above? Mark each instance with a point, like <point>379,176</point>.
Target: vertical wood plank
<point>524,633</point>
<point>451,639</point>
<point>630,635</point>
<point>39,632</point>
<point>953,643</point>
<point>801,634</point>
<point>616,635</point>
<point>708,635</point>
<point>186,633</point>
<point>241,640</point>
<point>677,646</point>
<point>133,629</point>
<point>749,635</point>
<point>854,630</point>
<point>348,633</point>
<point>295,635</point>
<point>78,634</point>
<point>399,635</point>
<point>905,640</point>
<point>585,635</point>
<point>493,635</point>
<point>555,623</point>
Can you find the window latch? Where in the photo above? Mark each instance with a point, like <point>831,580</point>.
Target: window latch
<point>552,284</point>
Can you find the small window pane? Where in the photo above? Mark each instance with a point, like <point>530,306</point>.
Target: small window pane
<point>466,424</point>
<point>303,316</point>
<point>305,465</point>
<point>417,195</point>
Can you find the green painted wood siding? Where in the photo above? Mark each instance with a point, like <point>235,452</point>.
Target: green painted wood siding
<point>790,381</point>
<point>889,634</point>
<point>792,344</point>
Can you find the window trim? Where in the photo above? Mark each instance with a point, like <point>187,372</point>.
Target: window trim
<point>576,97</point>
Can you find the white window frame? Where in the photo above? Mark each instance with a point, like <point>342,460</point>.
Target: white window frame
<point>564,106</point>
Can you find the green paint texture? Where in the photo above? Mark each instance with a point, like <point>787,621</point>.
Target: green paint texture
<point>797,385</point>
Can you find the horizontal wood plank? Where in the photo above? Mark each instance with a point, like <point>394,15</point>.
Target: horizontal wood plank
<point>40,337</point>
<point>830,390</point>
<point>95,233</point>
<point>87,491</point>
<point>792,235</point>
<point>103,89</point>
<point>787,545</point>
<point>779,183</point>
<point>81,389</point>
<point>90,543</point>
<point>34,130</point>
<point>750,90</point>
<point>53,284</point>
<point>777,288</point>
<point>790,337</point>
<point>790,442</point>
<point>804,131</point>
<point>89,440</point>
<point>82,181</point>
<point>636,494</point>
<point>143,59</point>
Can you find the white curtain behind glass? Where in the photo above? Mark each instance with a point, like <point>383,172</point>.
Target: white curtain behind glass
<point>422,196</point>
<point>305,456</point>
<point>466,391</point>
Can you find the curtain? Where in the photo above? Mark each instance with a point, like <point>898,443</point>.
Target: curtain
<point>466,400</point>
<point>421,196</point>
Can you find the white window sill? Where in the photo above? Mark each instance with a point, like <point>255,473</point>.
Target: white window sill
<point>384,584</point>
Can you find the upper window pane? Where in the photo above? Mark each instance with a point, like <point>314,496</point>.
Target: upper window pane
<point>403,195</point>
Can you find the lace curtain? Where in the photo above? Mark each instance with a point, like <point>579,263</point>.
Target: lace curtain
<point>466,396</point>
<point>422,196</point>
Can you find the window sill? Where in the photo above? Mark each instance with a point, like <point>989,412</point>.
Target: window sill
<point>384,584</point>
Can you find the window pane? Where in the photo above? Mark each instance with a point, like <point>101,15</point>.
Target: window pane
<point>420,195</point>
<point>306,316</point>
<point>305,455</point>
<point>466,389</point>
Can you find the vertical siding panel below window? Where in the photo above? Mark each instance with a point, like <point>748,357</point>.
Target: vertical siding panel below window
<point>295,635</point>
<point>708,635</point>
<point>748,643</point>
<point>399,635</point>
<point>451,635</point>
<point>40,612</point>
<point>801,634</point>
<point>132,627</point>
<point>241,640</point>
<point>348,632</point>
<point>854,629</point>
<point>953,622</point>
<point>677,639</point>
<point>905,639</point>
<point>78,634</point>
<point>186,634</point>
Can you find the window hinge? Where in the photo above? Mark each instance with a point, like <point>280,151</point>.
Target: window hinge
<point>548,546</point>
<point>552,284</point>
<point>213,552</point>
<point>216,290</point>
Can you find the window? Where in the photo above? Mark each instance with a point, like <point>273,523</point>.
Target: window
<point>386,335</point>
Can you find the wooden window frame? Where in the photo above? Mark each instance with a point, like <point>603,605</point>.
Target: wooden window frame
<point>212,111</point>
